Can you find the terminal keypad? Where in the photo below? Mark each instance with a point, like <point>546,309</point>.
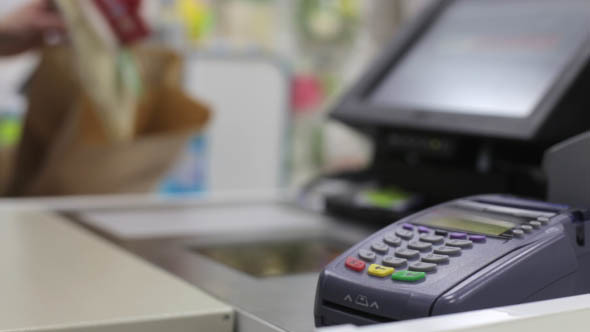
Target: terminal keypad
<point>419,250</point>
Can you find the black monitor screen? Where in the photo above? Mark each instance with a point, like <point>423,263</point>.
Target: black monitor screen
<point>490,58</point>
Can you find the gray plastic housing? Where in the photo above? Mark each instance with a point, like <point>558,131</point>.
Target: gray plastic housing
<point>566,165</point>
<point>550,262</point>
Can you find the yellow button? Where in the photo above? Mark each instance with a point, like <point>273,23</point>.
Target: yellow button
<point>380,270</point>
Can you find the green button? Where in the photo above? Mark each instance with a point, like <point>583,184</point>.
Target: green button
<point>405,275</point>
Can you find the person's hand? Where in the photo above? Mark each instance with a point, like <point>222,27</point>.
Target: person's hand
<point>27,27</point>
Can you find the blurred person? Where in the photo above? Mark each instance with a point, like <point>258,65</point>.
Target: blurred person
<point>27,27</point>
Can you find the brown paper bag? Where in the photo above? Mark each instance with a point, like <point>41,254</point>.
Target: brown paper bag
<point>66,151</point>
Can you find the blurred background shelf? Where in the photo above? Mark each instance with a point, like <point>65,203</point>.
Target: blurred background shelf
<point>314,47</point>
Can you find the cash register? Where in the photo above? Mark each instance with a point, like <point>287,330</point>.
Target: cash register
<point>466,102</point>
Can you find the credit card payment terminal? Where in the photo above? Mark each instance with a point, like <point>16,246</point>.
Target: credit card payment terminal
<point>466,254</point>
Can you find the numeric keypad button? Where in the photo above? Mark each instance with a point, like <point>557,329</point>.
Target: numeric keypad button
<point>449,251</point>
<point>404,233</point>
<point>431,238</point>
<point>458,236</point>
<point>392,240</point>
<point>478,238</point>
<point>354,264</point>
<point>422,267</point>
<point>435,258</point>
<point>380,247</point>
<point>393,261</point>
<point>463,244</point>
<point>423,229</point>
<point>518,233</point>
<point>367,255</point>
<point>422,246</point>
<point>407,253</point>
<point>536,224</point>
<point>407,226</point>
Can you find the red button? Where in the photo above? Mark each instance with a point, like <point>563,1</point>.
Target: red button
<point>355,264</point>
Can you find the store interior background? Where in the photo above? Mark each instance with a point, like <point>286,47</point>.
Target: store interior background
<point>270,69</point>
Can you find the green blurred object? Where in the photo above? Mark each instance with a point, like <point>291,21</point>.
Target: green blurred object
<point>10,130</point>
<point>386,198</point>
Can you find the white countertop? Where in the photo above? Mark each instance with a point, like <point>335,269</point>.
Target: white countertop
<point>57,276</point>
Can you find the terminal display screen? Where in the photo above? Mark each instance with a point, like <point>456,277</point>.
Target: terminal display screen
<point>465,222</point>
<point>489,58</point>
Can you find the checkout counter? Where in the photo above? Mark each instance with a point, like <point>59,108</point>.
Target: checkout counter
<point>61,277</point>
<point>465,102</point>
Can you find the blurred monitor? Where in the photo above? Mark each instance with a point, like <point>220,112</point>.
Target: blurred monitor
<point>483,67</point>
